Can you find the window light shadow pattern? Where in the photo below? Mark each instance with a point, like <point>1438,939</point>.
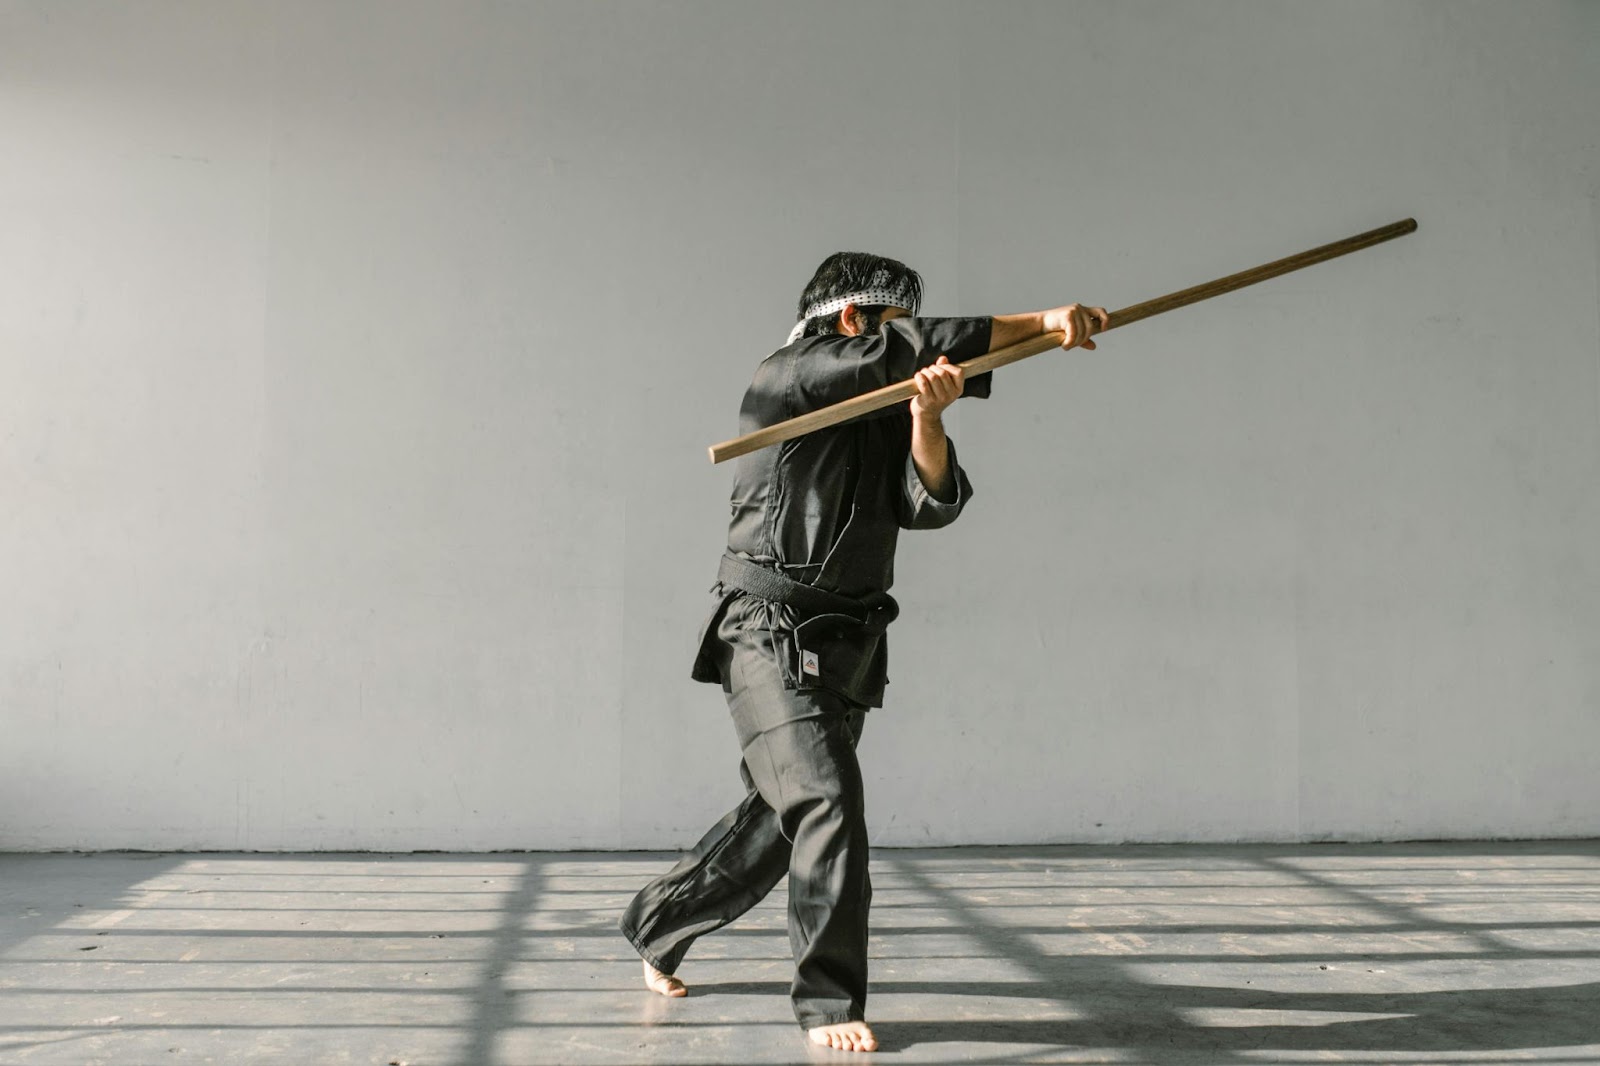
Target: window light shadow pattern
<point>1441,953</point>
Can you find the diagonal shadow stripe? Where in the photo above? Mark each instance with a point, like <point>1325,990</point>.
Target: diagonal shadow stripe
<point>494,1006</point>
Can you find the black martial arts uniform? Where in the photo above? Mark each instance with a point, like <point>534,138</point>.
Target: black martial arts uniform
<point>796,638</point>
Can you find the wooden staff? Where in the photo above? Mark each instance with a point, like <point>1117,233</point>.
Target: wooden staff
<point>902,391</point>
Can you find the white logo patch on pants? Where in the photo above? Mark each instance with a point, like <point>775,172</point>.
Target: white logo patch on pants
<point>809,663</point>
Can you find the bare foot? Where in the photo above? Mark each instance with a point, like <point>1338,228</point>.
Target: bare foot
<point>846,1036</point>
<point>665,983</point>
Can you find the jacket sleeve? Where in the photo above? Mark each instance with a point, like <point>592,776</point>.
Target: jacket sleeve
<point>918,508</point>
<point>826,370</point>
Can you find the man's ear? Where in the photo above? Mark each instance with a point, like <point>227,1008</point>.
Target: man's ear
<point>850,321</point>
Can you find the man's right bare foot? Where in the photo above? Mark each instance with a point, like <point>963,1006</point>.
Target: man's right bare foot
<point>665,983</point>
<point>846,1036</point>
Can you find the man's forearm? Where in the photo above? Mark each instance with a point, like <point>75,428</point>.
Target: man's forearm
<point>1075,322</point>
<point>1011,329</point>
<point>930,453</point>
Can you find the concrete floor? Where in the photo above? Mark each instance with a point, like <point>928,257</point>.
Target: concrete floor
<point>1451,953</point>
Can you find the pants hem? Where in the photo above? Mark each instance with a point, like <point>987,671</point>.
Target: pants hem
<point>814,1021</point>
<point>644,953</point>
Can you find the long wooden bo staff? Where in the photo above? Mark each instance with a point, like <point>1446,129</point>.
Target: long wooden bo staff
<point>904,390</point>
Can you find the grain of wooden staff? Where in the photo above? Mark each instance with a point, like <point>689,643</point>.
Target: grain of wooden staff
<point>902,391</point>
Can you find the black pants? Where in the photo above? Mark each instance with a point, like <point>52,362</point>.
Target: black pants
<point>803,814</point>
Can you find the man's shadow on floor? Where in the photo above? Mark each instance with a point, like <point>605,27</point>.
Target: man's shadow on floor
<point>1154,1020</point>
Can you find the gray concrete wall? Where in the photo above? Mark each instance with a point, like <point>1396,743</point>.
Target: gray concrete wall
<point>357,363</point>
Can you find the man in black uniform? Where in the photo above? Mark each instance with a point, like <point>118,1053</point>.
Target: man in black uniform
<point>796,636</point>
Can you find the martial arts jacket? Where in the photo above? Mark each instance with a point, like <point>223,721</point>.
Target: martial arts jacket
<point>826,509</point>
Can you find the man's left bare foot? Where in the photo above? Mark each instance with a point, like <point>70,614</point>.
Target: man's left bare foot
<point>665,983</point>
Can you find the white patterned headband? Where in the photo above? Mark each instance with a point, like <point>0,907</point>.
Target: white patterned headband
<point>880,291</point>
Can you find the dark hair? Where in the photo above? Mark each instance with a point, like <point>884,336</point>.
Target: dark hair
<point>846,272</point>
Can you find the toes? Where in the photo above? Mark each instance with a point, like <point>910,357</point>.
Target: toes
<point>848,1038</point>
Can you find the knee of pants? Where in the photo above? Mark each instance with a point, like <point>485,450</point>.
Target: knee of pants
<point>830,807</point>
<point>807,771</point>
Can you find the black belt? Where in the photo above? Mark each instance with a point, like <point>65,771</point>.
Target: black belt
<point>876,609</point>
